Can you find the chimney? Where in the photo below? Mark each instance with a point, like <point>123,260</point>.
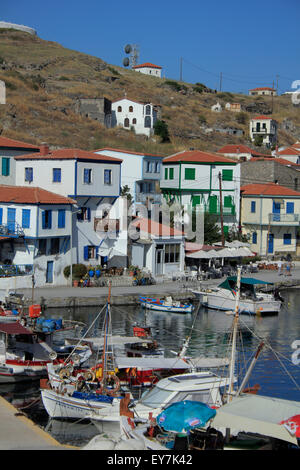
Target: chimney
<point>44,149</point>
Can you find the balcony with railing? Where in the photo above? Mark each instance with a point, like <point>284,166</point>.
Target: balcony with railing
<point>227,211</point>
<point>10,270</point>
<point>284,219</point>
<point>11,230</point>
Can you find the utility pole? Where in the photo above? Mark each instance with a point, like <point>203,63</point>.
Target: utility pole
<point>220,81</point>
<point>221,209</point>
<point>272,96</point>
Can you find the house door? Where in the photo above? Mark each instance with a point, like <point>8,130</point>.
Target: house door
<point>159,261</point>
<point>49,273</point>
<point>271,243</point>
<point>276,211</point>
<point>11,219</point>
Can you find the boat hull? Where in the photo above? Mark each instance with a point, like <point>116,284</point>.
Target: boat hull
<point>217,301</point>
<point>62,406</point>
<point>156,304</point>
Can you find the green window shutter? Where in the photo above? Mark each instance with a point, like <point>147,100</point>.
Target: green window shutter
<point>225,229</point>
<point>195,200</point>
<point>227,201</point>
<point>166,173</point>
<point>189,173</point>
<point>227,175</point>
<point>213,204</point>
<point>5,166</point>
<point>171,173</point>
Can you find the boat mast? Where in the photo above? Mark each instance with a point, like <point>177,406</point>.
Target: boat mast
<point>234,335</point>
<point>249,371</point>
<point>106,326</point>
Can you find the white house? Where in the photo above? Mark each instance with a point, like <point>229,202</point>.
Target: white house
<point>141,172</point>
<point>135,115</point>
<point>156,246</point>
<point>216,108</point>
<point>9,148</point>
<point>192,178</point>
<point>148,69</point>
<point>267,91</point>
<point>291,154</point>
<point>265,128</point>
<point>92,180</point>
<point>239,152</point>
<point>35,228</point>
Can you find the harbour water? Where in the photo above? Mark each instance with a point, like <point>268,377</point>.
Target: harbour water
<point>275,371</point>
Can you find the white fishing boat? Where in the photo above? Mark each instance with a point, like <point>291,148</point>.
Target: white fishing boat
<point>72,394</point>
<point>252,300</point>
<point>206,387</point>
<point>166,305</point>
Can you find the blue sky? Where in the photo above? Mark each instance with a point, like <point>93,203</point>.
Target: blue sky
<point>251,43</point>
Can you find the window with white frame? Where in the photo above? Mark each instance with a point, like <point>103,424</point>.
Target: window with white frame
<point>87,176</point>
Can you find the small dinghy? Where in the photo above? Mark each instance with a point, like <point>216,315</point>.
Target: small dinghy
<point>167,305</point>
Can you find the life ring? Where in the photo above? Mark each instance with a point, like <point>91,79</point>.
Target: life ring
<point>114,389</point>
<point>76,359</point>
<point>89,375</point>
<point>64,373</point>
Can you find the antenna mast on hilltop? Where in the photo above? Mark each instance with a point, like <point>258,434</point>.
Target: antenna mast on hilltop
<point>134,53</point>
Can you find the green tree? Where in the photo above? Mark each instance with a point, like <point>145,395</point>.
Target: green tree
<point>212,232</point>
<point>161,129</point>
<point>125,191</point>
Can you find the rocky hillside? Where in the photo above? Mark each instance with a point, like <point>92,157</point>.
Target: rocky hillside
<point>44,80</point>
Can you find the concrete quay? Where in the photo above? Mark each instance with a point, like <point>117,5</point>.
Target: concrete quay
<point>71,297</point>
<point>17,432</point>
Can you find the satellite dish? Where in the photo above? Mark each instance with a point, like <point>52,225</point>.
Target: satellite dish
<point>126,62</point>
<point>128,49</point>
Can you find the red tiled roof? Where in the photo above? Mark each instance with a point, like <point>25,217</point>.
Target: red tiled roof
<point>6,142</point>
<point>233,148</point>
<point>147,64</point>
<point>129,151</point>
<point>263,117</point>
<point>289,151</point>
<point>68,154</point>
<point>197,156</point>
<point>282,161</point>
<point>154,228</point>
<point>267,189</point>
<point>31,195</point>
<point>262,88</point>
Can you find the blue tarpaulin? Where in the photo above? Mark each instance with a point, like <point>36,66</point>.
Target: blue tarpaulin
<point>182,416</point>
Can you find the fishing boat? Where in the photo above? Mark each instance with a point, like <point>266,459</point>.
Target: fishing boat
<point>166,305</point>
<point>252,300</point>
<point>71,393</point>
<point>26,350</point>
<point>203,386</point>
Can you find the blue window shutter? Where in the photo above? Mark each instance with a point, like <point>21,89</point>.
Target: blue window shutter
<point>61,218</point>
<point>287,239</point>
<point>56,175</point>
<point>49,219</point>
<point>29,174</point>
<point>88,213</point>
<point>44,219</point>
<point>5,166</point>
<point>253,206</point>
<point>25,218</point>
<point>290,208</point>
<point>254,238</point>
<point>86,253</point>
<point>1,215</point>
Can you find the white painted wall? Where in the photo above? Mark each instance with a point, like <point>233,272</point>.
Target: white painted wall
<point>138,112</point>
<point>43,175</point>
